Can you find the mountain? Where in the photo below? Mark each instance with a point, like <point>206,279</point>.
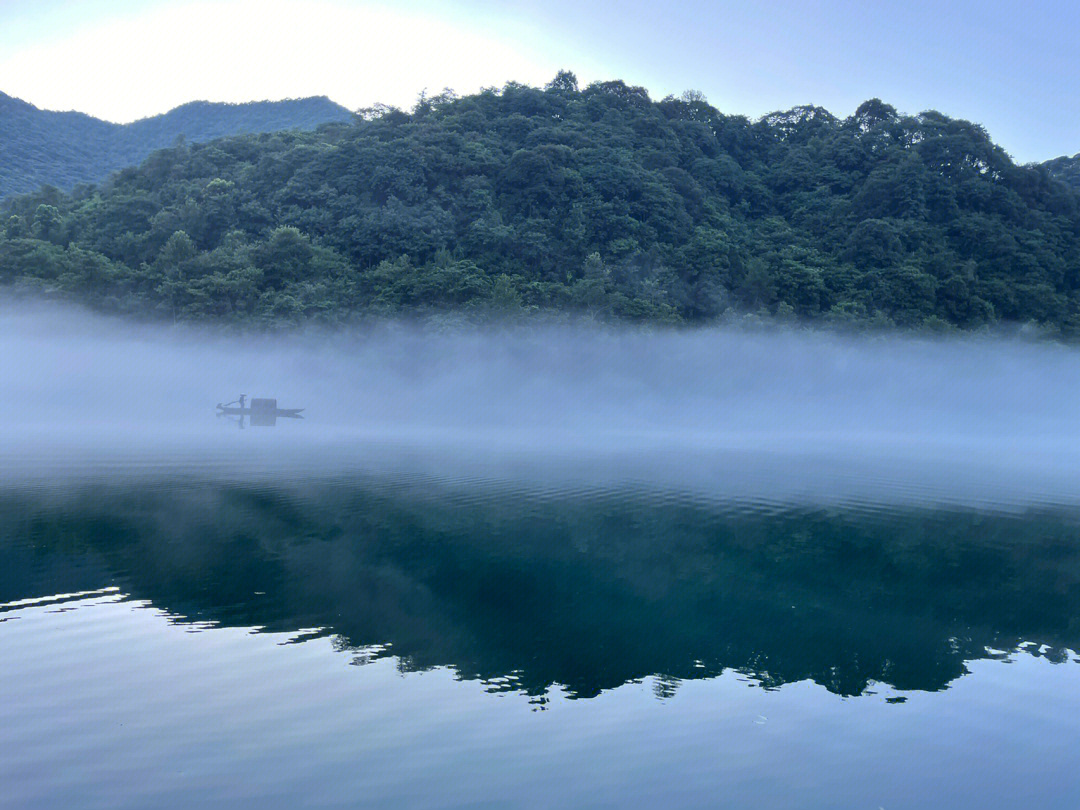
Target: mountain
<point>598,201</point>
<point>39,147</point>
<point>1065,169</point>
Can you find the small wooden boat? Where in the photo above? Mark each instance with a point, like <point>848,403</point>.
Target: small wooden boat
<point>262,412</point>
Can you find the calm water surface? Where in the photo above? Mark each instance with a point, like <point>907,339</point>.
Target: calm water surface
<point>409,627</point>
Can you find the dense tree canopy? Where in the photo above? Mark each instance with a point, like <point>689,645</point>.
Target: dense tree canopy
<point>1065,169</point>
<point>62,149</point>
<point>598,201</point>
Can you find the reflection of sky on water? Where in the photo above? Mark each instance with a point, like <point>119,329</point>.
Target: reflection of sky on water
<point>179,720</point>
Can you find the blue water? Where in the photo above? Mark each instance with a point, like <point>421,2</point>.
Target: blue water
<point>536,567</point>
<point>269,625</point>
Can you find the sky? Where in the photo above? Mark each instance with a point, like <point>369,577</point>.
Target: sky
<point>1011,67</point>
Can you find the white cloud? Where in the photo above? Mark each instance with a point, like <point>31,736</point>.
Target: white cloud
<point>149,61</point>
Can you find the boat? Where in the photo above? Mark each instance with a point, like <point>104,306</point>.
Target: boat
<point>263,412</point>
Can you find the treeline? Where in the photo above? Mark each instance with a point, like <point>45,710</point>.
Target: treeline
<point>596,201</point>
<point>63,149</point>
<point>1065,169</point>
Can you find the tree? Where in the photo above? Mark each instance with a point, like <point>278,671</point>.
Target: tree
<point>14,227</point>
<point>758,289</point>
<point>176,252</point>
<point>564,82</point>
<point>285,256</point>
<point>871,113</point>
<point>47,222</point>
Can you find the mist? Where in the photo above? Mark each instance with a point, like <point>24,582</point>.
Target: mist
<point>770,415</point>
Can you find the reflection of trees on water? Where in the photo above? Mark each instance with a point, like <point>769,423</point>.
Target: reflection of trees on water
<point>526,591</point>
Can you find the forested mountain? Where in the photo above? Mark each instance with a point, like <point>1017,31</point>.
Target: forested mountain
<point>39,147</point>
<point>1065,169</point>
<point>598,201</point>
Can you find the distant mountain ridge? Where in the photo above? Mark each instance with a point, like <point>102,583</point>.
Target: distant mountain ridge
<point>63,149</point>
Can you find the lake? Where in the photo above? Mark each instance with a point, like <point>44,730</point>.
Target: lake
<point>442,628</point>
<point>536,568</point>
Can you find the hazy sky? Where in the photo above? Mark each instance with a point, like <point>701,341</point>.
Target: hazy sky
<point>1010,66</point>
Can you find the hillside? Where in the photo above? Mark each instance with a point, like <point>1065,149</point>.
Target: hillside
<point>1065,169</point>
<point>39,147</point>
<point>598,201</point>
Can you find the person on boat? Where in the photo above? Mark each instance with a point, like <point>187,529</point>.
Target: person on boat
<point>239,402</point>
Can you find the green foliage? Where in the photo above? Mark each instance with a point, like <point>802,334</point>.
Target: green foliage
<point>1065,169</point>
<point>597,201</point>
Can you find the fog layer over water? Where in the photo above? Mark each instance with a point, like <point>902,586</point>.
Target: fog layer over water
<point>754,414</point>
